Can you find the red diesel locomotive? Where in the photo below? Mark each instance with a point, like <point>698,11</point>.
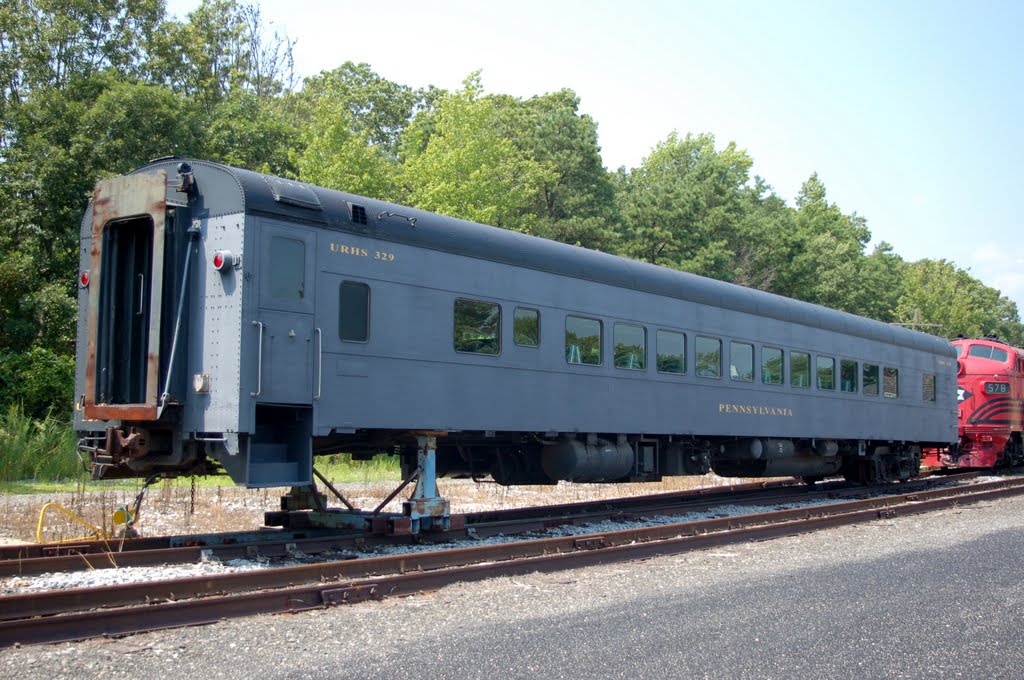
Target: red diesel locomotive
<point>990,381</point>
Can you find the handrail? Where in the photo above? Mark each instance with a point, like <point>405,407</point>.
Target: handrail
<point>259,363</point>
<point>319,363</point>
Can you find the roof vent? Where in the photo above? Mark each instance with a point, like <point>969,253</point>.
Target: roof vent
<point>358,214</point>
<point>293,193</point>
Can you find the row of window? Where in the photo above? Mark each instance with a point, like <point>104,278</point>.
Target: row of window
<point>477,330</point>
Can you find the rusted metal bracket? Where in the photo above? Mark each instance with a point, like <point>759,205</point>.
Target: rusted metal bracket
<point>352,594</point>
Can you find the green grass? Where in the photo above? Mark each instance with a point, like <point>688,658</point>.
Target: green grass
<point>41,457</point>
<point>37,450</point>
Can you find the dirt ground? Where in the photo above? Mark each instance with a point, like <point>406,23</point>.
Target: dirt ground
<point>168,510</point>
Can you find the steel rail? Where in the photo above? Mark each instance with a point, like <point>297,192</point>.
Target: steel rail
<point>406,574</point>
<point>481,525</point>
<point>30,551</point>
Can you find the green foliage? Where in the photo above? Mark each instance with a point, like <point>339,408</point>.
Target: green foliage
<point>682,207</point>
<point>829,246</point>
<point>341,468</point>
<point>248,132</point>
<point>939,292</point>
<point>129,124</point>
<point>471,168</point>
<point>88,90</point>
<point>37,449</point>
<point>575,202</point>
<point>37,381</point>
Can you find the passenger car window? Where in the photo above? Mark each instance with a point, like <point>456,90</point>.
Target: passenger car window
<point>741,361</point>
<point>890,382</point>
<point>799,369</point>
<point>630,346</point>
<point>928,387</point>
<point>353,311</point>
<point>709,357</point>
<point>825,373</point>
<point>848,375</point>
<point>771,366</point>
<point>671,352</point>
<point>582,340</point>
<point>870,380</point>
<point>477,327</point>
<point>288,273</point>
<point>526,327</point>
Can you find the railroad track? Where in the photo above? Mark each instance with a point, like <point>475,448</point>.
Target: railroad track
<point>123,609</point>
<point>32,560</point>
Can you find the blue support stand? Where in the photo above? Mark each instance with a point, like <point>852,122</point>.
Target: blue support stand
<point>427,510</point>
<point>305,507</point>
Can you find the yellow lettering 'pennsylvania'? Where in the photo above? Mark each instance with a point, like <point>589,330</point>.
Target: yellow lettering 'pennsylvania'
<point>756,410</point>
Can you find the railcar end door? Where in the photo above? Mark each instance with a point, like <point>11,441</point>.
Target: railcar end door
<point>284,321</point>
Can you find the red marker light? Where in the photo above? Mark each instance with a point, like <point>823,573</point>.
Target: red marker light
<point>83,280</point>
<point>222,260</point>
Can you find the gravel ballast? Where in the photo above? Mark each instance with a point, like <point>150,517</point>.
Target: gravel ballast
<point>935,595</point>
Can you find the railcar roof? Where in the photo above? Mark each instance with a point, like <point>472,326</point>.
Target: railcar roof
<point>226,190</point>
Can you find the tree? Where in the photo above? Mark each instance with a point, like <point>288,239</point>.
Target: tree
<point>576,202</point>
<point>880,284</point>
<point>470,167</point>
<point>248,132</point>
<point>764,241</point>
<point>683,206</point>
<point>939,292</point>
<point>829,247</point>
<point>352,121</point>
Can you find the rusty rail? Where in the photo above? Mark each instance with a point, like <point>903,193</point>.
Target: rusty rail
<point>150,552</point>
<point>41,617</point>
<point>35,560</point>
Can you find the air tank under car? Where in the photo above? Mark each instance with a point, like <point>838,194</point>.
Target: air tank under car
<point>765,457</point>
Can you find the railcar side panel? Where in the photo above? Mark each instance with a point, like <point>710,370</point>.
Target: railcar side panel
<point>309,320</point>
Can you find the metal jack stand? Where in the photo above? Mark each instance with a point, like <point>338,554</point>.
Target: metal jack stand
<point>305,507</point>
<point>427,510</point>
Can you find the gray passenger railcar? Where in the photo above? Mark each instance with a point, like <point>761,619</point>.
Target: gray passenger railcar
<point>232,320</point>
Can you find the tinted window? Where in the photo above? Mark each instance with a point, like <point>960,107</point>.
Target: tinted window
<point>771,366</point>
<point>582,340</point>
<point>890,382</point>
<point>630,346</point>
<point>825,372</point>
<point>671,352</point>
<point>288,273</point>
<point>477,327</point>
<point>526,327</point>
<point>354,311</point>
<point>928,387</point>
<point>800,369</point>
<point>987,352</point>
<point>709,357</point>
<point>870,379</point>
<point>848,375</point>
<point>741,361</point>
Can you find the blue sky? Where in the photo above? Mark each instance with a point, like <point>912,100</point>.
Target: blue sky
<point>909,111</point>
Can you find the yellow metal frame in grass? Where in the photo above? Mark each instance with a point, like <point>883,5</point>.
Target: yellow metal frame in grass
<point>98,533</point>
